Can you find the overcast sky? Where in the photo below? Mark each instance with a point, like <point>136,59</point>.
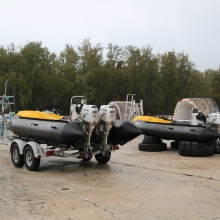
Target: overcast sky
<point>189,26</point>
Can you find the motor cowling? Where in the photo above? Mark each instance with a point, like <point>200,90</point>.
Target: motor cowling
<point>107,114</point>
<point>89,114</point>
<point>214,118</point>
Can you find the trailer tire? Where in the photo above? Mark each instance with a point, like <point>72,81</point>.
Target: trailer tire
<point>174,145</point>
<point>31,163</point>
<point>103,159</point>
<point>195,149</point>
<point>152,147</point>
<point>16,157</point>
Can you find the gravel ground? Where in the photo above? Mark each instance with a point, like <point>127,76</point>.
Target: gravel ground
<point>133,185</point>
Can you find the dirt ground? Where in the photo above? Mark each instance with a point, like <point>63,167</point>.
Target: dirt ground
<point>133,185</point>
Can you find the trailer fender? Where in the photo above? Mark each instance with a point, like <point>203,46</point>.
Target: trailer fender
<point>38,151</point>
<point>20,144</point>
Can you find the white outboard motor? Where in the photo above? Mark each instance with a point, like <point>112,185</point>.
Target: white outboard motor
<point>107,116</point>
<point>214,118</point>
<point>89,119</point>
<point>89,114</point>
<point>214,121</point>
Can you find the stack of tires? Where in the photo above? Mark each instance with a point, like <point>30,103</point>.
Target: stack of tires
<point>196,149</point>
<point>186,148</point>
<point>152,144</point>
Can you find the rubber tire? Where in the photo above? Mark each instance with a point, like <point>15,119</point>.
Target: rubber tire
<point>35,163</point>
<point>174,145</point>
<point>153,141</point>
<point>101,159</point>
<point>152,147</point>
<point>216,147</point>
<point>195,149</point>
<point>20,159</point>
<point>151,138</point>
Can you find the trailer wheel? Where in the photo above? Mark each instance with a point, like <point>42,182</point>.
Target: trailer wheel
<point>16,157</point>
<point>100,158</point>
<point>195,149</point>
<point>31,163</point>
<point>152,147</point>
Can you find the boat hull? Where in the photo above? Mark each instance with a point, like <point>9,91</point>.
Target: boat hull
<point>46,131</point>
<point>177,132</point>
<point>122,132</point>
<point>58,132</point>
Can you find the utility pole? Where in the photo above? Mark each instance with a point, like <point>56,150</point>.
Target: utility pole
<point>6,82</point>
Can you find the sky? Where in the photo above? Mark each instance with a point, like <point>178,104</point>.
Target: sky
<point>188,26</point>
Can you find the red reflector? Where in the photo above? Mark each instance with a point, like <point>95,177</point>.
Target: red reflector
<point>50,152</point>
<point>116,147</point>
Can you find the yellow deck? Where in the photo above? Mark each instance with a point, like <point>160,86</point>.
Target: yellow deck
<point>39,115</point>
<point>151,119</point>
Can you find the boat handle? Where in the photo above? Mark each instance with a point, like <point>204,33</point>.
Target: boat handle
<point>171,128</point>
<point>54,127</point>
<point>35,124</point>
<point>192,130</point>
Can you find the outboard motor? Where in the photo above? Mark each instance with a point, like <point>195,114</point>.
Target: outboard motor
<point>214,121</point>
<point>86,116</point>
<point>88,120</point>
<point>107,116</point>
<point>197,117</point>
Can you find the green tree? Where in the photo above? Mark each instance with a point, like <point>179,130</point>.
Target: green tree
<point>150,85</point>
<point>39,67</point>
<point>176,74</point>
<point>212,78</point>
<point>115,86</point>
<point>161,80</point>
<point>90,78</point>
<point>68,69</point>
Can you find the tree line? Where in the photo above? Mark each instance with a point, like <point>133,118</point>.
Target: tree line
<point>103,75</point>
